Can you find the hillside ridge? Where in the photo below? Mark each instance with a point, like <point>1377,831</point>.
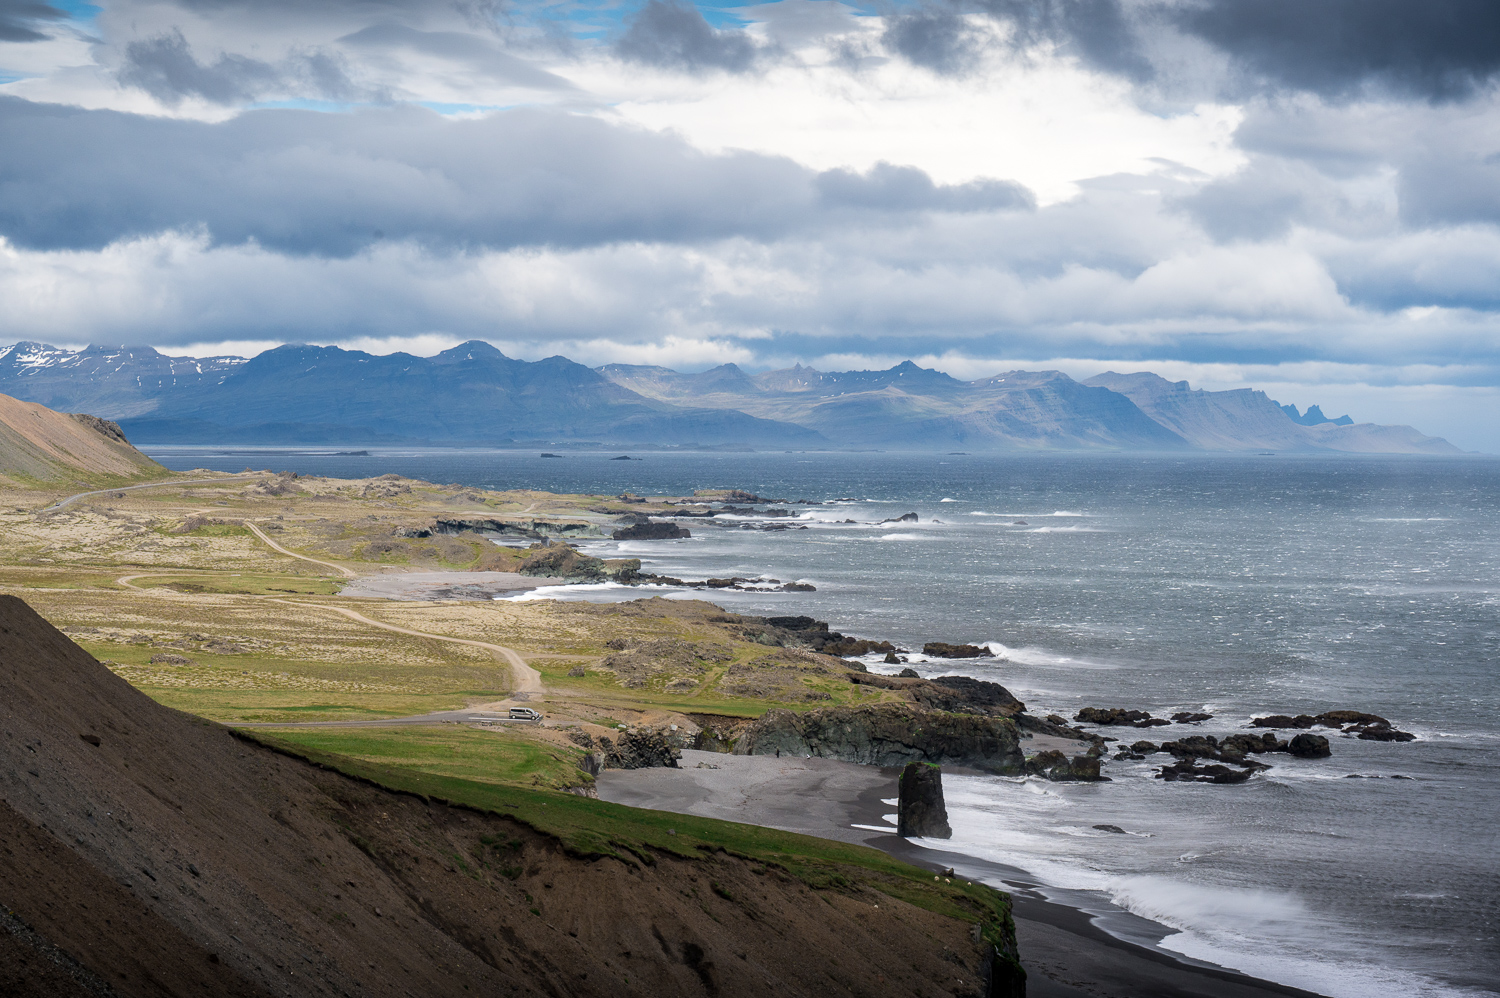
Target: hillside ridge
<point>40,444</point>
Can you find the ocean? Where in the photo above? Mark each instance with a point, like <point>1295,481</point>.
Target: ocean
<point>1230,585</point>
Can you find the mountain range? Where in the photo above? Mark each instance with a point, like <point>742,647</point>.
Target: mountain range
<point>474,394</point>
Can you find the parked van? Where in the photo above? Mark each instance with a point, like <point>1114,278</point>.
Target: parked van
<point>525,714</point>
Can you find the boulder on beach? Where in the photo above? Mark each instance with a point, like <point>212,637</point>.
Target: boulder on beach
<point>920,811</point>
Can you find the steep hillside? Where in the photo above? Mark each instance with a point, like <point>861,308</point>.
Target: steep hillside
<point>37,443</point>
<point>1246,419</point>
<point>148,852</point>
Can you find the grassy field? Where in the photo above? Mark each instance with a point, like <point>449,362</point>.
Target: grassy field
<point>498,756</point>
<point>173,592</point>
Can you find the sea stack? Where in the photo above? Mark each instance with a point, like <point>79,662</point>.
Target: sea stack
<point>920,812</point>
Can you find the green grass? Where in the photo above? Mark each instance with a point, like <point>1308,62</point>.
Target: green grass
<point>232,706</point>
<point>591,828</point>
<point>449,750</point>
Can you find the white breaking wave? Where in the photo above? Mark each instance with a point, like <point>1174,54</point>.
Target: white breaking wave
<point>1064,530</point>
<point>1263,932</point>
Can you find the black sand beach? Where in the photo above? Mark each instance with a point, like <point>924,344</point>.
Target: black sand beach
<point>1066,954</point>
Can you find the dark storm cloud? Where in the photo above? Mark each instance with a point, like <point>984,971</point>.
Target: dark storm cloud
<point>1433,49</point>
<point>20,19</point>
<point>332,184</point>
<point>905,188</point>
<point>939,37</point>
<point>936,38</point>
<point>675,36</point>
<point>165,68</point>
<point>1095,30</point>
<point>1438,49</point>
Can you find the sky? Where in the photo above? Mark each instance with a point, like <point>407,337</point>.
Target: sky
<point>1301,196</point>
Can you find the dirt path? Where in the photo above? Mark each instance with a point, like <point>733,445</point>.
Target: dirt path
<point>348,573</point>
<point>147,485</point>
<point>527,679</point>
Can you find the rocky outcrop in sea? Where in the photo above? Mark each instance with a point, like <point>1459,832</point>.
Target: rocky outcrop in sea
<point>920,810</point>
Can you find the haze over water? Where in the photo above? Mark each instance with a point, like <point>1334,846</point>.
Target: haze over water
<point>1232,585</point>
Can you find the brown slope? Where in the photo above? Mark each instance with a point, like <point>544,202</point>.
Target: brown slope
<point>175,859</point>
<point>37,443</point>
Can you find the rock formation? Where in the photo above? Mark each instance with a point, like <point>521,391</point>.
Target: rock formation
<point>649,531</point>
<point>920,811</point>
<point>639,749</point>
<point>1118,716</point>
<point>1054,765</point>
<point>941,649</point>
<point>1370,727</point>
<point>888,734</point>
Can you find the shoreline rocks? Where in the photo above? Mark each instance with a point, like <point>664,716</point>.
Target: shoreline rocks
<point>941,649</point>
<point>1188,771</point>
<point>1370,727</point>
<point>649,531</point>
<point>1054,765</point>
<point>888,734</point>
<point>1118,717</point>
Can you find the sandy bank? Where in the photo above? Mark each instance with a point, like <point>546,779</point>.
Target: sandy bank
<point>1065,951</point>
<point>445,585</point>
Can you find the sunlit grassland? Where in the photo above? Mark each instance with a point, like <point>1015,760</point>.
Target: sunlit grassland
<point>484,756</point>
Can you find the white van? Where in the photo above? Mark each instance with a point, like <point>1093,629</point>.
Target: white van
<point>525,714</point>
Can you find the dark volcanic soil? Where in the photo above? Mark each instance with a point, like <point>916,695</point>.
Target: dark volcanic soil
<point>173,858</point>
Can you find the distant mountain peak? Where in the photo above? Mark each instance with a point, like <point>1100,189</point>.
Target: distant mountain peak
<point>467,351</point>
<point>1314,416</point>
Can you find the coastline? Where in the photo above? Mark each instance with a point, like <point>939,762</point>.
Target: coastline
<point>1066,953</point>
<point>421,586</point>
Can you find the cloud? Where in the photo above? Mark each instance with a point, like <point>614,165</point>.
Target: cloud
<point>675,35</point>
<point>935,38</point>
<point>905,188</point>
<point>476,53</point>
<point>947,37</point>
<point>1432,49</point>
<point>19,20</point>
<point>331,184</point>
<point>165,68</point>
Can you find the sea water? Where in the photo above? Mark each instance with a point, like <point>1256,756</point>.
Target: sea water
<point>1229,585</point>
